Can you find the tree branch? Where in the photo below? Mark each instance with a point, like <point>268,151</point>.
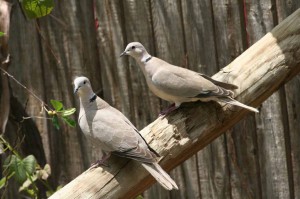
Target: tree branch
<point>258,72</point>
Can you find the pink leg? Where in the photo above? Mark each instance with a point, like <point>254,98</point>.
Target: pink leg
<point>168,110</point>
<point>101,162</point>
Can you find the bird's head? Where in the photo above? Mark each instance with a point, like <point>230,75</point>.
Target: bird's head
<point>82,85</point>
<point>134,49</point>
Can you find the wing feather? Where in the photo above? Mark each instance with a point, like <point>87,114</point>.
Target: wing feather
<point>187,84</point>
<point>115,133</point>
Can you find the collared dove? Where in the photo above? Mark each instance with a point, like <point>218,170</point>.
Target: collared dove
<point>176,84</point>
<point>108,128</point>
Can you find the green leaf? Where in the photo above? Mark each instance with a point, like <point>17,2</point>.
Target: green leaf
<point>3,182</point>
<point>68,112</point>
<point>37,8</point>
<point>29,164</point>
<point>24,168</point>
<point>2,34</point>
<point>57,105</point>
<point>69,121</point>
<point>55,122</point>
<point>10,164</point>
<point>31,192</point>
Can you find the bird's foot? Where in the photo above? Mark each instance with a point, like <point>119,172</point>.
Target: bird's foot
<point>168,110</point>
<point>101,162</point>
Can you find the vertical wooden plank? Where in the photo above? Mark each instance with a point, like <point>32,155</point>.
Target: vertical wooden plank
<point>110,44</point>
<point>213,170</point>
<point>271,147</point>
<point>243,160</point>
<point>169,42</point>
<point>292,108</point>
<point>31,66</point>
<point>199,36</point>
<point>228,34</point>
<point>215,178</point>
<point>138,25</point>
<point>201,56</point>
<point>168,31</point>
<point>189,178</point>
<point>68,52</point>
<point>261,18</point>
<point>231,41</point>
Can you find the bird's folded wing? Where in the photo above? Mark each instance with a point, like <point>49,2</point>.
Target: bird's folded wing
<point>185,85</point>
<point>113,129</point>
<point>218,83</point>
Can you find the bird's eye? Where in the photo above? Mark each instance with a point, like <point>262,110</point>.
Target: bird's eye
<point>84,82</point>
<point>133,47</point>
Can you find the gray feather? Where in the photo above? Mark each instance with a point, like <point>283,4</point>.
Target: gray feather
<point>177,84</point>
<point>108,128</point>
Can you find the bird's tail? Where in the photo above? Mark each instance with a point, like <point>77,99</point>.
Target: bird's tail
<point>160,175</point>
<point>229,100</point>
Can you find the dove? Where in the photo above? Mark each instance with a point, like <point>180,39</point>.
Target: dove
<point>176,84</point>
<point>108,128</point>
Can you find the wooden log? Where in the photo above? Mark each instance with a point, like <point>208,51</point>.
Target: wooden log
<point>258,72</point>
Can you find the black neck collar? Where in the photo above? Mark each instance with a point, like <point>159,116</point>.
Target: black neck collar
<point>93,98</point>
<point>148,59</point>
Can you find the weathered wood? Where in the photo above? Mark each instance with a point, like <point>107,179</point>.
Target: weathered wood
<point>258,72</point>
<point>214,173</point>
<point>198,23</point>
<point>238,166</point>
<point>111,33</point>
<point>290,115</point>
<point>261,18</point>
<point>196,176</point>
<point>67,44</point>
<point>167,24</point>
<point>139,27</point>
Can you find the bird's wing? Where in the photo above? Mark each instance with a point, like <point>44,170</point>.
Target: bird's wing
<point>113,129</point>
<point>218,83</point>
<point>184,83</point>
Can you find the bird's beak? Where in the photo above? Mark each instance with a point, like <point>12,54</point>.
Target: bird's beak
<point>123,53</point>
<point>76,89</point>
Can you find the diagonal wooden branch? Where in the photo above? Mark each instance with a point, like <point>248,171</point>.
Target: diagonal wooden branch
<point>258,72</point>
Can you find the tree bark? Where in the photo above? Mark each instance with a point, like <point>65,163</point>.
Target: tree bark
<point>258,72</point>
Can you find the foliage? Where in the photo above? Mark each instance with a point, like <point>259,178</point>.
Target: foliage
<point>26,171</point>
<point>61,112</point>
<point>37,8</point>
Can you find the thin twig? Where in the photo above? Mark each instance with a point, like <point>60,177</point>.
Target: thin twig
<point>29,91</point>
<point>38,117</point>
<point>58,20</point>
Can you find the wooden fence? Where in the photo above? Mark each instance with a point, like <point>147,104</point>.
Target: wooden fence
<point>258,158</point>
